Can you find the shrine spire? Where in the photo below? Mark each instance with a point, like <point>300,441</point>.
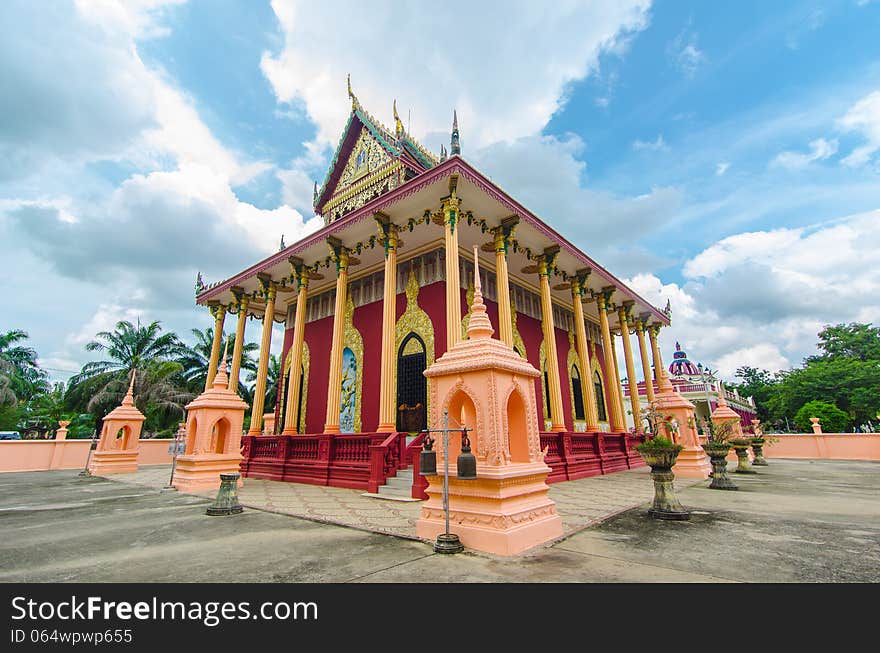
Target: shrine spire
<point>454,145</point>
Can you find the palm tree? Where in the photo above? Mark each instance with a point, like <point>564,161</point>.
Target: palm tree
<point>128,347</point>
<point>195,359</point>
<point>20,375</point>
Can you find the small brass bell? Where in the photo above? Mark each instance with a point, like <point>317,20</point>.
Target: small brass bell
<point>467,462</point>
<point>428,458</point>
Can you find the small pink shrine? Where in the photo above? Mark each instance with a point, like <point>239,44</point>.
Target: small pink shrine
<point>692,461</point>
<point>486,386</point>
<point>725,414</point>
<point>117,450</point>
<point>213,437</point>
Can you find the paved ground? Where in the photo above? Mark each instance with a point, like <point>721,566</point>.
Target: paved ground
<point>796,521</point>
<point>580,503</point>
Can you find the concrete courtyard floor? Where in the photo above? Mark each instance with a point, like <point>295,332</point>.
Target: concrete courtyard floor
<point>794,521</point>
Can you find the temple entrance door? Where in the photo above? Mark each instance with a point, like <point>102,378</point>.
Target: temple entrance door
<point>412,386</point>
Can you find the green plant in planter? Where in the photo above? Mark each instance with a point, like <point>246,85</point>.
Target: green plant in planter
<point>717,447</point>
<point>660,454</point>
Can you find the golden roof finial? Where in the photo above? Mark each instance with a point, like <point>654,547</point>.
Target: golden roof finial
<point>354,100</point>
<point>398,125</point>
<point>128,400</point>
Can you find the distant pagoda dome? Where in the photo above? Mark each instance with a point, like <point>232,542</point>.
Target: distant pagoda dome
<point>681,366</point>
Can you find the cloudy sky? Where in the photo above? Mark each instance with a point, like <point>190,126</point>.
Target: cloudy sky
<point>724,156</point>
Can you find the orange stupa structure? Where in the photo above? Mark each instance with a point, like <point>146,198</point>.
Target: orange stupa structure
<point>485,386</point>
<point>675,409</point>
<point>117,450</point>
<point>213,437</point>
<point>725,414</point>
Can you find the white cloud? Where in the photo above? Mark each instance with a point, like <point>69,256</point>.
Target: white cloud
<point>684,53</point>
<point>820,149</point>
<point>656,145</point>
<point>429,66</point>
<point>863,117</point>
<point>721,168</point>
<point>763,356</point>
<point>760,298</point>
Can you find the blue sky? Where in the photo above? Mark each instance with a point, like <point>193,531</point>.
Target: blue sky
<point>724,156</point>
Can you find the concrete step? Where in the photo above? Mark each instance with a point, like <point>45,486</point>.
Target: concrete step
<point>397,488</point>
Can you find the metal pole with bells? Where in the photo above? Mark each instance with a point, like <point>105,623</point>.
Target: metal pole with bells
<point>85,471</point>
<point>467,471</point>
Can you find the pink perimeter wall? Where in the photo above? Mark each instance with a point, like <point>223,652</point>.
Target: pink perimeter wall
<point>43,455</point>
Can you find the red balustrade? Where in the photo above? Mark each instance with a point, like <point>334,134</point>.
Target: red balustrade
<point>365,461</point>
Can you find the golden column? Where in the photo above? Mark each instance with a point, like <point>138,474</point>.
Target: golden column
<point>218,310</point>
<point>294,379</point>
<point>640,326</point>
<point>653,331</point>
<point>388,233</point>
<point>334,399</point>
<point>623,314</point>
<point>503,235</point>
<point>577,294</point>
<point>269,290</point>
<point>453,295</point>
<point>603,300</point>
<point>243,302</point>
<point>545,268</point>
<point>619,386</point>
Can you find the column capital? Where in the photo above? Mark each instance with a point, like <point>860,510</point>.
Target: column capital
<point>267,285</point>
<point>241,299</point>
<point>504,232</point>
<point>624,312</point>
<point>300,272</point>
<point>339,252</point>
<point>388,232</point>
<point>216,308</point>
<point>547,261</point>
<point>603,298</point>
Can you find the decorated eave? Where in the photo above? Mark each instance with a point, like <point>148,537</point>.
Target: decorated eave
<point>411,206</point>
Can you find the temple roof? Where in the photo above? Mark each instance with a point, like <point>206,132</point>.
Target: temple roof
<point>680,365</point>
<point>399,146</point>
<point>353,198</point>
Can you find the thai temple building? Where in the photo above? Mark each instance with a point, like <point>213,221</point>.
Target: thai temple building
<point>373,298</point>
<point>699,385</point>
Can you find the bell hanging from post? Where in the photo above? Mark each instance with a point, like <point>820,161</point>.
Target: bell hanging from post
<point>428,458</point>
<point>467,462</point>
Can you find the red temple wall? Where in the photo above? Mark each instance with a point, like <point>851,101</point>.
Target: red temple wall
<point>432,299</point>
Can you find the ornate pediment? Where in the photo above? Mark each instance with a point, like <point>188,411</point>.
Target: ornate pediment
<point>366,157</point>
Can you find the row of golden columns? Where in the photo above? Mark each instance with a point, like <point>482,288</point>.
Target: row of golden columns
<point>502,240</point>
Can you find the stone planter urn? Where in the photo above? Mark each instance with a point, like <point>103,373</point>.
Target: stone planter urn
<point>661,460</point>
<point>741,446</point>
<point>758,450</point>
<point>717,453</point>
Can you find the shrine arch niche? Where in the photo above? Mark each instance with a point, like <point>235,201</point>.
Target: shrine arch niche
<point>462,412</point>
<point>412,386</point>
<point>517,428</point>
<point>121,439</point>
<point>219,436</point>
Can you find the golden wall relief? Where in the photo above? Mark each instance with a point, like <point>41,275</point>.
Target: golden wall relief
<point>352,381</point>
<point>304,384</point>
<point>414,320</point>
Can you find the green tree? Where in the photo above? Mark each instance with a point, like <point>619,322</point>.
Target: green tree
<point>831,418</point>
<point>758,384</point>
<point>21,377</point>
<point>855,340</point>
<point>127,347</point>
